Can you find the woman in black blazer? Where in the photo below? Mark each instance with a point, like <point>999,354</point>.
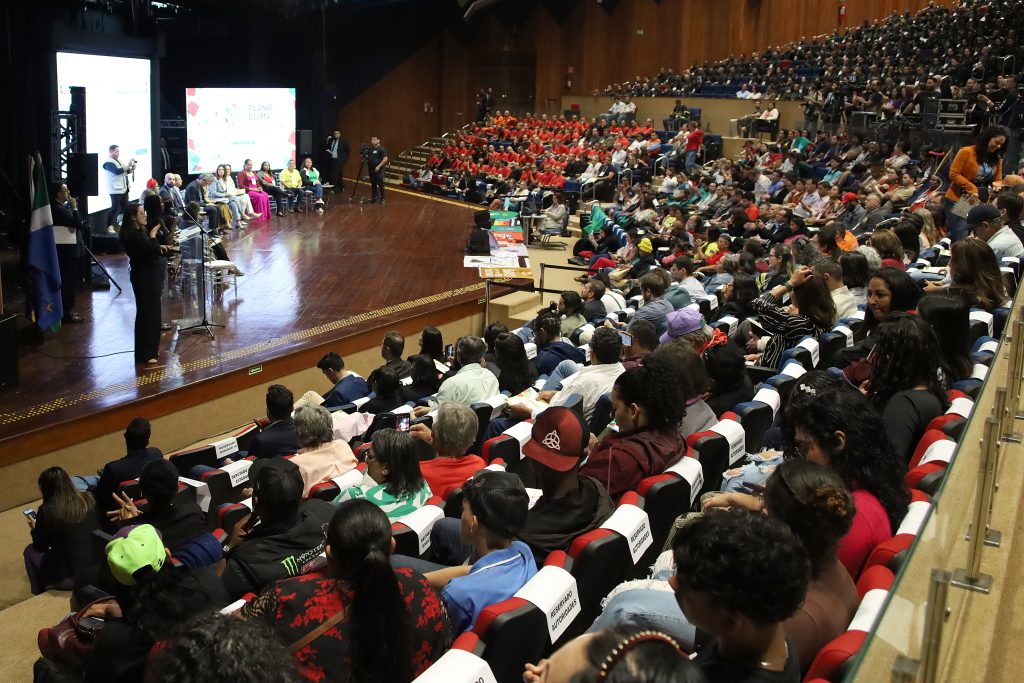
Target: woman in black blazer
<point>148,265</point>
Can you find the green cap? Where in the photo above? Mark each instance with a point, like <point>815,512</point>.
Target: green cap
<point>139,552</point>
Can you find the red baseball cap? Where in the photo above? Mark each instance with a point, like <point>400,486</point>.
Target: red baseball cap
<point>849,197</point>
<point>558,439</point>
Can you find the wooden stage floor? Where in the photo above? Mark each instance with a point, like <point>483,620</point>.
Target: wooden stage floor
<point>308,279</point>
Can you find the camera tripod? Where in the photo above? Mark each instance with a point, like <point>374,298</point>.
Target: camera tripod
<point>360,176</point>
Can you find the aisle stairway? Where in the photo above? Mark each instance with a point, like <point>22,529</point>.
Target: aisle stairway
<point>408,161</point>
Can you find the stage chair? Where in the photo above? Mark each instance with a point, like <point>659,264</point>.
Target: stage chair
<point>217,274</point>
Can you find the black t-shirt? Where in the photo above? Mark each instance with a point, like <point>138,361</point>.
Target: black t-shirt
<point>718,670</point>
<point>553,523</point>
<point>594,309</point>
<point>375,156</point>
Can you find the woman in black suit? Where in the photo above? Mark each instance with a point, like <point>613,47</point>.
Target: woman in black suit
<point>148,265</point>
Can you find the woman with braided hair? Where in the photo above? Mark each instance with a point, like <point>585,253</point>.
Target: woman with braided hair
<point>649,403</point>
<point>361,620</point>
<point>905,383</point>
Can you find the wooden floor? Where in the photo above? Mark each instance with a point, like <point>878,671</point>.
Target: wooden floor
<point>307,279</point>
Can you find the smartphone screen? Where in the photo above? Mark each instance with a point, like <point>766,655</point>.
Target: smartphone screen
<point>449,351</point>
<point>29,513</point>
<point>402,423</point>
<point>627,338</point>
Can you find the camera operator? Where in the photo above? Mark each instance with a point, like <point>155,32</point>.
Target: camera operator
<point>376,158</point>
<point>117,185</point>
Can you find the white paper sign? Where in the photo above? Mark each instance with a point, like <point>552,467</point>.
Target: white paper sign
<point>497,404</point>
<point>531,350</point>
<point>961,406</point>
<point>359,402</point>
<point>238,471</point>
<point>940,451</point>
<point>812,346</point>
<point>520,431</point>
<point>403,409</point>
<point>713,302</point>
<point>458,666</point>
<point>233,607</point>
<point>979,372</point>
<point>914,519</point>
<point>846,332</point>
<point>533,495</point>
<point>349,479</point>
<point>202,492</point>
<point>405,381</point>
<point>728,321</point>
<point>734,434</point>
<point>634,525</point>
<point>794,369</point>
<point>869,611</point>
<point>553,592</point>
<point>421,522</point>
<point>225,448</point>
<point>983,316</point>
<point>989,347</point>
<point>692,471</point>
<point>770,397</point>
<point>440,367</point>
<point>857,315</point>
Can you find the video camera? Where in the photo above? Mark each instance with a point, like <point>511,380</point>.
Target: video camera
<point>364,151</point>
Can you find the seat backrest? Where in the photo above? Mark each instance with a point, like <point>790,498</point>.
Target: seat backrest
<point>602,414</point>
<point>757,418</point>
<point>411,533</point>
<point>598,560</point>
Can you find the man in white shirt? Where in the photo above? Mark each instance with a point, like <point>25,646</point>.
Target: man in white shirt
<point>629,107</point>
<point>987,224</point>
<point>813,202</point>
<point>682,276</point>
<point>831,273</point>
<point>743,93</point>
<point>618,157</point>
<point>668,183</point>
<point>473,382</point>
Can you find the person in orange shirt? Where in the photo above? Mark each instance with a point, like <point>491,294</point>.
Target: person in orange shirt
<point>973,172</point>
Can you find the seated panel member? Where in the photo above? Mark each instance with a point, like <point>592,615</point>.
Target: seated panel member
<point>292,181</point>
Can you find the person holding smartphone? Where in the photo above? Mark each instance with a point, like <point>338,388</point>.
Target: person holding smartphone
<point>61,547</point>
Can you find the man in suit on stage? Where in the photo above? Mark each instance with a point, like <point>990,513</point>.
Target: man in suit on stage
<point>64,209</point>
<point>338,153</point>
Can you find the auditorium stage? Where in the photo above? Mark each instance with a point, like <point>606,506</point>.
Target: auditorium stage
<point>309,280</point>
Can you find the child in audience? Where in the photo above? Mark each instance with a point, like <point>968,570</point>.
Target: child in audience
<point>494,510</point>
<point>393,481</point>
<point>738,577</point>
<point>388,624</point>
<point>617,655</point>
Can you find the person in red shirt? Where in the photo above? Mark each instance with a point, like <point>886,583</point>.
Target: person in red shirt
<point>693,142</point>
<point>452,434</point>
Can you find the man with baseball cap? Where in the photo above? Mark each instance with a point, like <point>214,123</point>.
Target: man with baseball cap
<point>494,507</point>
<point>571,504</point>
<point>986,222</point>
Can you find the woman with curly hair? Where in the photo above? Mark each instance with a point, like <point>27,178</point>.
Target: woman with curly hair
<point>649,403</point>
<point>905,384</point>
<point>841,429</point>
<point>388,625</point>
<point>974,275</point>
<point>813,502</point>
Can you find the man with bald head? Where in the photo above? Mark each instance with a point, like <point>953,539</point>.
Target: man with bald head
<point>170,190</point>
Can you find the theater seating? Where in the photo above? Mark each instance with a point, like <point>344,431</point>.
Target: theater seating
<point>413,540</point>
<point>758,415</point>
<point>891,553</point>
<point>718,448</point>
<point>667,496</point>
<point>929,461</point>
<point>832,661</point>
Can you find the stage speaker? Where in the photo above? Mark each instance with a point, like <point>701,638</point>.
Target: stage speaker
<point>83,175</point>
<point>8,353</point>
<point>305,140</point>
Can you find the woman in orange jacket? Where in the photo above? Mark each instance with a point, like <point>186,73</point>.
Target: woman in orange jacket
<point>973,171</point>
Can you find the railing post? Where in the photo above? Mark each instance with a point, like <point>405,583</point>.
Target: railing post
<point>971,577</point>
<point>934,620</point>
<point>487,302</point>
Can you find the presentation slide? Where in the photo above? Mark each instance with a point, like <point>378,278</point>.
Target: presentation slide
<point>230,125</point>
<point>117,112</point>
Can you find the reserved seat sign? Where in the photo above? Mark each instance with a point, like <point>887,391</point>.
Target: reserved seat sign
<point>458,666</point>
<point>634,525</point>
<point>553,591</point>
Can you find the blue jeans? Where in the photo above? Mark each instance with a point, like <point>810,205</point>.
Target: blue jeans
<point>561,371</point>
<point>691,160</point>
<point>647,609</point>
<point>956,226</point>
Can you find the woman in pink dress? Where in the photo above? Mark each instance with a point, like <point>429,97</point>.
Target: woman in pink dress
<point>250,184</point>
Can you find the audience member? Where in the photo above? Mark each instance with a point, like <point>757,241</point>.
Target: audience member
<point>841,429</point>
<point>590,382</point>
<point>386,391</point>
<point>974,275</point>
<point>178,523</point>
<point>140,453</point>
<point>473,382</point>
<point>425,378</point>
<point>391,350</point>
<point>831,273</point>
<point>278,437</point>
<point>905,384</point>
<point>516,372</point>
<point>393,481</point>
<point>648,405</point>
<point>949,318</point>
<point>383,624</point>
<point>347,385</point>
<point>279,537</point>
<point>730,383</point>
<point>320,457</point>
<point>452,434</point>
<point>551,348</point>
<point>815,314</point>
<point>62,544</point>
<point>889,290</point>
<point>644,337</point>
